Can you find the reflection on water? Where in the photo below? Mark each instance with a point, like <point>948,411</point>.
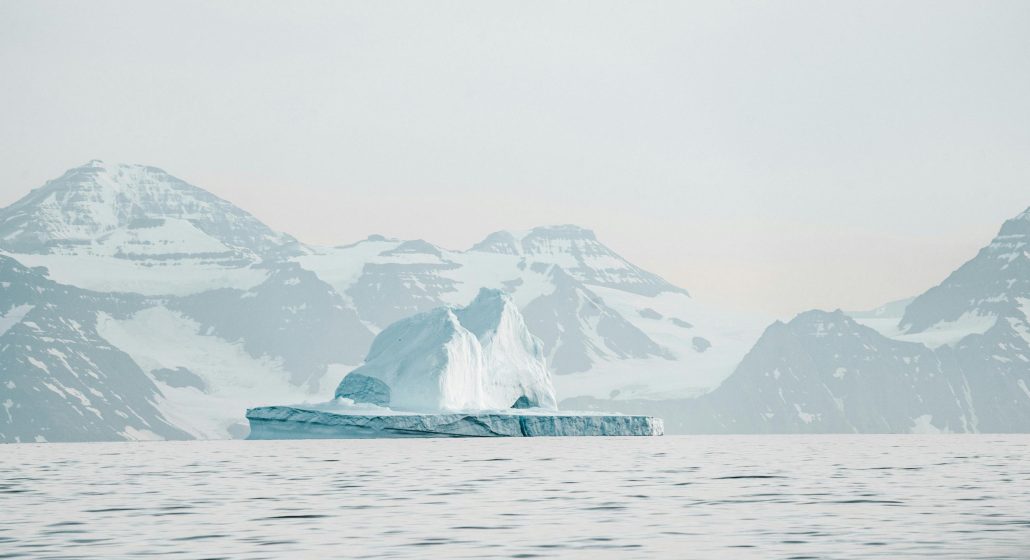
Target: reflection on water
<point>676,497</point>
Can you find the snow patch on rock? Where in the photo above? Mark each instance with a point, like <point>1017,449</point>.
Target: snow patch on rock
<point>13,316</point>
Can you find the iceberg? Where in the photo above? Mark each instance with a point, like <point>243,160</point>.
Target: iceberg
<point>311,422</point>
<point>475,358</point>
<point>474,371</point>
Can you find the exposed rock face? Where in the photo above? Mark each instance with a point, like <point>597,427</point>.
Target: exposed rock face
<point>959,360</point>
<point>649,313</point>
<point>59,380</point>
<point>387,292</point>
<point>954,359</point>
<point>579,329</point>
<point>995,283</point>
<point>179,377</point>
<point>475,358</point>
<point>825,373</point>
<point>292,315</point>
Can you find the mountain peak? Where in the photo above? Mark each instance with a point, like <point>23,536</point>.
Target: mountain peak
<point>577,250</point>
<point>820,320</point>
<point>97,198</point>
<point>116,170</point>
<point>414,247</point>
<point>1016,226</point>
<point>563,231</point>
<point>992,283</point>
<point>513,242</point>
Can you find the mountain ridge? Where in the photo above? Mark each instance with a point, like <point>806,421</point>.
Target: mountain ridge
<point>230,314</point>
<point>989,284</point>
<point>205,311</point>
<point>86,202</point>
<point>953,359</point>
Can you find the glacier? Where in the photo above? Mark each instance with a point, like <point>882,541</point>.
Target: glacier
<point>473,371</point>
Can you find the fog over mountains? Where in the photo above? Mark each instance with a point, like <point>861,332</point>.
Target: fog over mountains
<point>135,306</point>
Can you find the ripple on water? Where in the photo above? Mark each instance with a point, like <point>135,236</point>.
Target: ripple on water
<point>734,496</point>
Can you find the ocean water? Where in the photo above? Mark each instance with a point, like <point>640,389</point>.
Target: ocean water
<point>668,497</point>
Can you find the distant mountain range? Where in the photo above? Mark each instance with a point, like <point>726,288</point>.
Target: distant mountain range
<point>136,306</point>
<point>954,359</point>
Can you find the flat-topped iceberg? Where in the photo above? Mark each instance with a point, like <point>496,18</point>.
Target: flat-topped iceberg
<point>448,372</point>
<point>314,421</point>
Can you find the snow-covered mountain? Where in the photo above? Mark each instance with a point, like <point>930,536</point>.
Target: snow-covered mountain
<point>954,359</point>
<point>219,313</point>
<point>134,212</point>
<point>580,254</point>
<point>135,228</point>
<point>59,379</point>
<point>134,305</point>
<point>830,374</point>
<point>291,315</point>
<point>995,283</point>
<point>601,335</point>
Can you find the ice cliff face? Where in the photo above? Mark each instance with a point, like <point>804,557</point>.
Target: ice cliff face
<point>285,422</point>
<point>480,357</point>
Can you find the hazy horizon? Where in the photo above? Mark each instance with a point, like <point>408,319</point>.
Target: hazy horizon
<point>770,157</point>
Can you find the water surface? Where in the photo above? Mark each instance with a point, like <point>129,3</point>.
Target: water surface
<point>673,497</point>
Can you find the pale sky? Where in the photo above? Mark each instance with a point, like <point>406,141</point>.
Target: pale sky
<point>771,156</point>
